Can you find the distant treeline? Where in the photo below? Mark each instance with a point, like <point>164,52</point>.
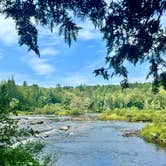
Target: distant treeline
<point>81,98</point>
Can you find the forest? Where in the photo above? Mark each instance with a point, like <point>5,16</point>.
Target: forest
<point>132,32</point>
<point>77,100</point>
<point>138,103</point>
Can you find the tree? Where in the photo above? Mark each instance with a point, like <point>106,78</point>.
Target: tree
<point>4,98</point>
<point>25,84</point>
<point>131,29</point>
<point>13,105</point>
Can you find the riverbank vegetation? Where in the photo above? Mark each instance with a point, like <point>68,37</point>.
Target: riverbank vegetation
<point>136,103</point>
<point>135,115</point>
<point>21,155</point>
<point>155,131</point>
<point>13,152</point>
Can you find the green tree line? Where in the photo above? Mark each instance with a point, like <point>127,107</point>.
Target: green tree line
<point>80,99</point>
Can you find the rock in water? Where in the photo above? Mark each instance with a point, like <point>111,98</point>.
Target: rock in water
<point>65,128</point>
<point>130,133</point>
<point>36,122</point>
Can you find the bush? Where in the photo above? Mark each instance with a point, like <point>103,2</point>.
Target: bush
<point>11,133</point>
<point>17,157</point>
<point>155,133</point>
<point>134,115</point>
<point>56,109</point>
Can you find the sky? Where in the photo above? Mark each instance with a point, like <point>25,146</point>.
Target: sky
<point>58,63</point>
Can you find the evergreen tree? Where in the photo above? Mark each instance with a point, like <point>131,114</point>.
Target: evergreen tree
<point>132,30</point>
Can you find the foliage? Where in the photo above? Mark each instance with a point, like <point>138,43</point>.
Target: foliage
<point>133,33</point>
<point>62,100</point>
<point>33,147</point>
<point>11,132</point>
<point>155,132</point>
<point>134,115</point>
<point>136,103</point>
<point>113,116</point>
<point>132,30</point>
<point>56,109</point>
<point>17,157</point>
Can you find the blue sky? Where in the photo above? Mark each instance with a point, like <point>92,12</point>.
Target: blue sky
<point>58,63</point>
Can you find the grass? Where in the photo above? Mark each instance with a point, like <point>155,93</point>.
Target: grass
<point>154,132</point>
<point>134,115</point>
<point>52,109</point>
<point>113,116</point>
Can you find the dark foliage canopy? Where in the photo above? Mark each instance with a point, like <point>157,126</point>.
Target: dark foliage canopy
<point>131,29</point>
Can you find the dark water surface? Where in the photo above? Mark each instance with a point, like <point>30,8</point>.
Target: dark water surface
<point>102,144</point>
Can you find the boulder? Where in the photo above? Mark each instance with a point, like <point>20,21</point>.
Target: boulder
<point>65,128</point>
<point>34,122</point>
<point>130,133</point>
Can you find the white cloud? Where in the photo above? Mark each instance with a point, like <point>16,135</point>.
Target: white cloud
<point>19,77</point>
<point>48,38</point>
<point>85,75</point>
<point>85,78</point>
<point>8,31</point>
<point>88,32</point>
<point>49,51</point>
<point>40,66</point>
<point>75,79</point>
<point>9,36</point>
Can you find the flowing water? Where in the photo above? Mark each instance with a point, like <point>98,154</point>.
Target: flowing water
<point>99,143</point>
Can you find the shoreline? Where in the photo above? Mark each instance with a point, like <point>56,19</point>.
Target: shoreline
<point>35,120</point>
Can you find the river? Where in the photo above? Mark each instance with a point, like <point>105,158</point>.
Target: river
<point>97,143</point>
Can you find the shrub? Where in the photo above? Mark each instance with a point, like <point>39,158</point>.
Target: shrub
<point>17,157</point>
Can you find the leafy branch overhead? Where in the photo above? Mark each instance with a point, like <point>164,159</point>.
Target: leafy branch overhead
<point>132,30</point>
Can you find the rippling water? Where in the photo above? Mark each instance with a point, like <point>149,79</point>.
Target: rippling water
<point>102,144</point>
